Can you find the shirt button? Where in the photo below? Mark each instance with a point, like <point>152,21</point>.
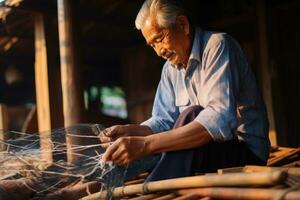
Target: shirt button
<point>187,78</point>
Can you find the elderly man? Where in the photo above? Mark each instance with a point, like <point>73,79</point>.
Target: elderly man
<point>207,112</point>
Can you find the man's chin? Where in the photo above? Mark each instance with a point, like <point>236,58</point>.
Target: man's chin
<point>173,60</point>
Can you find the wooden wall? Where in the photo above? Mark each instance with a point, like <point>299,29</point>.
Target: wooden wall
<point>141,71</point>
<point>111,48</point>
<point>284,40</point>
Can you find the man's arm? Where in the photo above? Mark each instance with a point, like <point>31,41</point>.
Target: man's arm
<point>189,136</point>
<point>127,149</point>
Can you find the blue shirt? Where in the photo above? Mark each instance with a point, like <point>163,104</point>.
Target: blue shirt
<point>219,79</point>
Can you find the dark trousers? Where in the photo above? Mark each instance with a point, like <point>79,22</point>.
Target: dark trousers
<point>205,159</point>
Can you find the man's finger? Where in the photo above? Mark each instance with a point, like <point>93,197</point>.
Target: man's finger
<point>105,139</point>
<point>109,151</point>
<point>104,133</point>
<point>116,155</point>
<point>122,160</point>
<point>105,145</point>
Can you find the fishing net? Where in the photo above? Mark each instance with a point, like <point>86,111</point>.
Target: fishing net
<point>76,168</point>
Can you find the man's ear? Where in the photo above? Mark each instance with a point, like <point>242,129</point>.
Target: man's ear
<point>183,24</point>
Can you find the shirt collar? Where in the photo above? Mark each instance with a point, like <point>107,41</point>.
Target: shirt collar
<point>195,52</point>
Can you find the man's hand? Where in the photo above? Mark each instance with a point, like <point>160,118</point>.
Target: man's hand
<point>127,149</point>
<point>112,133</point>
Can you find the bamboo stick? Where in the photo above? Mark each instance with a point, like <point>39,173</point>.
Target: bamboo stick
<point>138,179</point>
<point>286,153</point>
<point>146,197</point>
<point>166,197</point>
<point>234,179</point>
<point>155,196</point>
<point>241,193</point>
<point>206,198</point>
<point>293,164</point>
<point>254,168</point>
<point>134,182</point>
<point>187,197</point>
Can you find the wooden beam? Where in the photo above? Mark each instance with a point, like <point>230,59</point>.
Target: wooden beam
<point>265,72</point>
<point>42,88</point>
<point>3,125</point>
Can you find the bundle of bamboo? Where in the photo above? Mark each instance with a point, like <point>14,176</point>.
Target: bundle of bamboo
<point>248,182</point>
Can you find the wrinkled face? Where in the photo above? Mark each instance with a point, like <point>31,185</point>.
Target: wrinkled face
<point>172,44</point>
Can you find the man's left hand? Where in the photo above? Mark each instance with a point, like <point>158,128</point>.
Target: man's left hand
<point>126,149</point>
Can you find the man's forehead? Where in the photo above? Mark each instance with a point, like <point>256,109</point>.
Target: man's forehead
<point>149,22</point>
<point>151,25</point>
<point>150,29</point>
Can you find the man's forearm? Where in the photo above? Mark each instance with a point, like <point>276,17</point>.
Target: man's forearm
<point>189,136</point>
<point>141,130</point>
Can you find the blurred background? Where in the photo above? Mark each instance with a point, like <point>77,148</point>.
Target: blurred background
<point>82,61</point>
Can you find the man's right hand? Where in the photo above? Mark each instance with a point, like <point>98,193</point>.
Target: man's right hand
<point>114,132</point>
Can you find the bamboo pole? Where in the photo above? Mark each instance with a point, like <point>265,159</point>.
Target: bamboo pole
<point>254,168</point>
<point>206,198</point>
<point>278,159</point>
<point>187,197</point>
<point>241,193</point>
<point>146,197</point>
<point>166,197</point>
<point>289,170</point>
<point>234,179</point>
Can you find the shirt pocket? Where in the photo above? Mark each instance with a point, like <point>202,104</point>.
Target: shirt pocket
<point>182,101</point>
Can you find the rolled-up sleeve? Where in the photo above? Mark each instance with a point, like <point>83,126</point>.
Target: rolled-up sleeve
<point>219,114</point>
<point>164,111</point>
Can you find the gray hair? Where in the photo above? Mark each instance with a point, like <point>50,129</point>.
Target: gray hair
<point>164,11</point>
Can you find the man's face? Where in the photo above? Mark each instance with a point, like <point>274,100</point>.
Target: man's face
<point>172,44</point>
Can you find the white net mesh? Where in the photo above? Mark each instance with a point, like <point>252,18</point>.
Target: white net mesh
<point>27,173</point>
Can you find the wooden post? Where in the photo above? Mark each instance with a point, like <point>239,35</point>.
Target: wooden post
<point>264,73</point>
<point>71,89</point>
<point>3,117</point>
<point>72,94</point>
<point>3,125</point>
<point>42,89</point>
